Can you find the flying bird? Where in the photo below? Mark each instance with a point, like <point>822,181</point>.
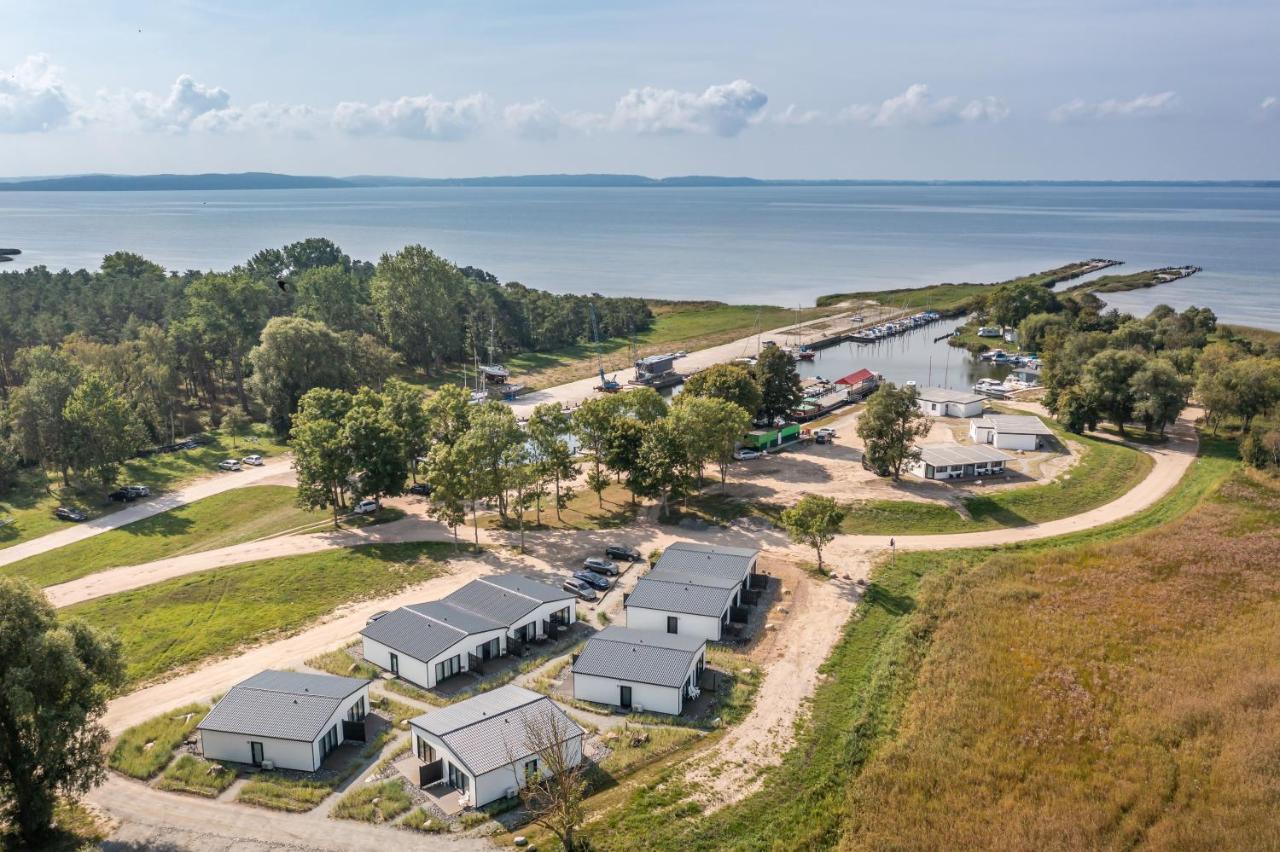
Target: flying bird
<point>284,285</point>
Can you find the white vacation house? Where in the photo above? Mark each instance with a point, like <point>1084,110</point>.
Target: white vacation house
<point>959,461</point>
<point>691,590</point>
<point>642,670</point>
<point>1010,431</point>
<point>941,402</point>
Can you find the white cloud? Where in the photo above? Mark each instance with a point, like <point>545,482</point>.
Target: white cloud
<point>796,117</point>
<point>724,110</point>
<point>32,97</point>
<point>421,117</point>
<point>1142,106</point>
<point>916,107</point>
<point>1270,107</point>
<point>533,120</point>
<point>186,102</point>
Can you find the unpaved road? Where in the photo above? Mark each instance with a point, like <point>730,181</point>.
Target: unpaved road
<point>198,490</point>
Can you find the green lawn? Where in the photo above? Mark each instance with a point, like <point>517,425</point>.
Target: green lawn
<point>868,679</point>
<point>280,792</point>
<point>197,776</point>
<point>952,298</point>
<point>189,619</point>
<point>232,517</point>
<point>143,750</point>
<point>31,502</point>
<point>1106,470</point>
<point>380,802</point>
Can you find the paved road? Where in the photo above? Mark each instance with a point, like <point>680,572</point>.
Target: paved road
<point>166,821</point>
<point>198,490</point>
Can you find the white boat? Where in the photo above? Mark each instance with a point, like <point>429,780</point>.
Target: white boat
<point>495,373</point>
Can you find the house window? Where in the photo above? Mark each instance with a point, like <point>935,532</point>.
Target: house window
<point>357,710</point>
<point>531,770</point>
<point>426,753</point>
<point>673,624</point>
<point>457,778</point>
<point>329,742</point>
<point>448,668</point>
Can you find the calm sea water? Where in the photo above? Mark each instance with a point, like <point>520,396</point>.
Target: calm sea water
<point>779,245</point>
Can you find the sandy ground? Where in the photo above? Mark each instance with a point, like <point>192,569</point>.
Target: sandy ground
<point>806,622</point>
<point>198,490</point>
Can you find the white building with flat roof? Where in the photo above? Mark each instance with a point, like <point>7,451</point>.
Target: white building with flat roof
<point>1009,431</point>
<point>959,461</point>
<point>942,402</point>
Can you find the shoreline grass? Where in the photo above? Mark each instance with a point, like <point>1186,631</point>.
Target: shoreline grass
<point>232,517</point>
<point>186,620</point>
<point>867,681</point>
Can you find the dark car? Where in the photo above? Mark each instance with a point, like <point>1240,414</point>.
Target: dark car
<point>601,566</point>
<point>621,551</point>
<point>422,489</point>
<point>66,513</point>
<point>122,495</point>
<point>882,470</point>
<point>591,578</point>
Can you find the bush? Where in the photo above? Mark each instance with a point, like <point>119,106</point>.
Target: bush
<point>374,802</point>
<point>145,749</point>
<point>191,774</point>
<point>422,821</point>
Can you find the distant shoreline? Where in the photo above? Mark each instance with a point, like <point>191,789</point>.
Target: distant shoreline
<point>271,180</point>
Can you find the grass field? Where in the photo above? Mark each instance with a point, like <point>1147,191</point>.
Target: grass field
<point>858,709</point>
<point>190,619</point>
<point>194,775</point>
<point>583,512</point>
<point>31,502</point>
<point>231,517</point>
<point>1106,470</point>
<point>677,325</point>
<point>279,792</point>
<point>952,298</point>
<point>143,750</point>
<point>381,802</point>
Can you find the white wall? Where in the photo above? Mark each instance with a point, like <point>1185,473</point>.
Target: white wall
<point>604,690</point>
<point>704,626</point>
<point>286,754</point>
<point>979,434</point>
<point>423,673</point>
<point>543,613</point>
<point>491,785</point>
<point>1006,441</point>
<point>967,409</point>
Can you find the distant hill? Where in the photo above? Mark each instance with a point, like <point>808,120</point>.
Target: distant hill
<point>270,180</point>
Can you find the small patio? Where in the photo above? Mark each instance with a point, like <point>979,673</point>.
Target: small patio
<point>427,779</point>
<point>521,656</point>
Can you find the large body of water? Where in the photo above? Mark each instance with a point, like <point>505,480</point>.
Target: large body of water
<point>777,245</point>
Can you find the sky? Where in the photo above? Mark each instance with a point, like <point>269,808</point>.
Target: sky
<point>909,89</point>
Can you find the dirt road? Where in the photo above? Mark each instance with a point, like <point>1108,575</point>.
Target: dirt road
<point>198,490</point>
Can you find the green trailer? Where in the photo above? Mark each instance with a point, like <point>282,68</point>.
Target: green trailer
<point>766,439</point>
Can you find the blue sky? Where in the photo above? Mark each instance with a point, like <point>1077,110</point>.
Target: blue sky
<point>919,89</point>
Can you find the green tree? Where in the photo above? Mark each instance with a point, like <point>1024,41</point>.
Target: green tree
<point>814,521</point>
<point>592,425</point>
<point>552,456</point>
<point>1160,393</point>
<point>415,294</point>
<point>889,427</point>
<point>228,313</point>
<point>296,355</point>
<point>1260,446</point>
<point>332,296</point>
<point>56,675</point>
<point>1012,303</point>
<point>1036,330</point>
<point>376,446</point>
<point>235,423</point>
<point>1108,382</point>
<point>662,463</point>
<point>321,456</point>
<point>448,411</point>
<point>102,430</point>
<point>37,406</point>
<point>780,392</point>
<point>449,488</point>
<point>622,452</point>
<point>730,382</point>
<point>492,432</point>
<point>642,404</point>
<point>715,425</point>
<point>404,406</point>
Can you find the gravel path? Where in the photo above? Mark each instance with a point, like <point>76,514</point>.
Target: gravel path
<point>198,490</point>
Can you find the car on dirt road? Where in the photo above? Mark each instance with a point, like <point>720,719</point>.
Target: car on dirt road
<point>824,432</point>
<point>254,459</point>
<point>138,491</point>
<point>367,506</point>
<point>422,489</point>
<point>745,455</point>
<point>594,580</point>
<point>621,551</point>
<point>66,513</point>
<point>230,464</point>
<point>579,588</point>
<point>601,566</point>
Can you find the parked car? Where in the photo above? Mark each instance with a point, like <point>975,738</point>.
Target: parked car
<point>745,454</point>
<point>594,580</point>
<point>825,431</point>
<point>66,513</point>
<point>601,566</point>
<point>254,459</point>
<point>367,506</point>
<point>819,438</point>
<point>621,551</point>
<point>230,464</point>
<point>883,470</point>
<point>138,490</point>
<point>580,589</point>
<point>122,495</point>
<point>422,489</point>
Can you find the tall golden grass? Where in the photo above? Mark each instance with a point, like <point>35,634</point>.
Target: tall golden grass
<point>1098,697</point>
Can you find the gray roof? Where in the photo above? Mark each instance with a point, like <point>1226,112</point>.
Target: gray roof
<point>413,633</point>
<point>950,454</point>
<point>946,395</point>
<point>1015,424</point>
<point>643,656</point>
<point>425,630</point>
<point>705,560</point>
<point>281,705</point>
<point>674,596</point>
<point>488,731</point>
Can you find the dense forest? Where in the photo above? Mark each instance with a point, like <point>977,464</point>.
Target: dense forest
<point>149,355</point>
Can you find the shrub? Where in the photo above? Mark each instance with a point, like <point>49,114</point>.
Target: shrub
<point>191,774</point>
<point>381,802</point>
<point>422,821</point>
